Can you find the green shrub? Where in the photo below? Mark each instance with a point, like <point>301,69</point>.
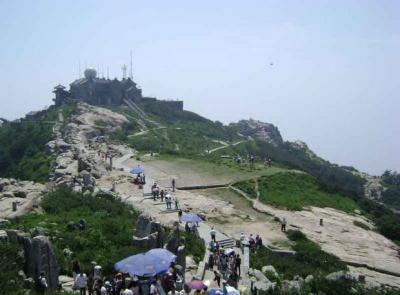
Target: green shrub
<point>309,259</point>
<point>107,238</point>
<point>11,261</point>
<point>361,224</point>
<point>194,247</point>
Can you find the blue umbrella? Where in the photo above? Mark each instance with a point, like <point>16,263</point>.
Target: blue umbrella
<point>137,170</point>
<point>162,254</point>
<point>139,265</point>
<point>191,217</point>
<point>148,264</point>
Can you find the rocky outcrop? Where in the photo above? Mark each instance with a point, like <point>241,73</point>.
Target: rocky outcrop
<point>39,255</point>
<point>149,233</point>
<point>80,147</point>
<point>19,197</point>
<point>257,129</point>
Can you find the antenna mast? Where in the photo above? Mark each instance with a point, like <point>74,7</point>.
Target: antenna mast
<point>131,70</point>
<point>123,72</point>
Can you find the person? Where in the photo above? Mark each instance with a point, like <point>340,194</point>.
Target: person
<point>162,195</point>
<point>157,192</point>
<point>283,226</point>
<point>252,243</point>
<point>213,234</point>
<point>217,278</point>
<point>211,261</point>
<point>176,203</point>
<point>153,191</point>
<point>168,201</point>
<point>187,227</point>
<point>173,184</point>
<point>242,237</point>
<point>119,283</point>
<point>76,268</point>
<point>81,283</point>
<point>180,215</point>
<point>127,291</point>
<point>258,242</point>
<point>42,283</point>
<point>98,283</point>
<point>168,281</point>
<point>238,262</point>
<point>153,289</point>
<point>107,289</point>
<point>135,285</point>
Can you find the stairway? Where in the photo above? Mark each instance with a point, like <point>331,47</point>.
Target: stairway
<point>227,243</point>
<point>142,115</point>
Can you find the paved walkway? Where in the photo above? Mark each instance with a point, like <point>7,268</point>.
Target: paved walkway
<point>158,210</point>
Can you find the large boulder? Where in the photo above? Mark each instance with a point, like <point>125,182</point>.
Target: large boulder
<point>143,226</point>
<point>149,233</point>
<point>339,275</point>
<point>3,237</point>
<point>269,271</point>
<point>41,258</point>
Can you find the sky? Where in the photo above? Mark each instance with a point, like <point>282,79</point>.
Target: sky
<point>334,82</point>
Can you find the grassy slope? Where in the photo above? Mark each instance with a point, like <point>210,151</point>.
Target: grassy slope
<point>22,143</point>
<point>294,191</point>
<point>224,169</point>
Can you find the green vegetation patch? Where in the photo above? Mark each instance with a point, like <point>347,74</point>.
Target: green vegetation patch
<point>361,224</point>
<point>309,259</point>
<point>194,247</point>
<point>11,261</point>
<point>106,239</point>
<point>294,191</point>
<point>247,186</point>
<point>22,145</point>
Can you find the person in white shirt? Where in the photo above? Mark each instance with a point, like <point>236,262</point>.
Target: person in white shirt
<point>127,291</point>
<point>81,283</point>
<point>212,234</point>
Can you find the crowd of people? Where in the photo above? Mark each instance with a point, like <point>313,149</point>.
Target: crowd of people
<point>123,284</point>
<point>164,196</point>
<point>225,263</point>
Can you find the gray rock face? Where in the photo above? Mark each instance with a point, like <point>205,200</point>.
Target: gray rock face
<point>339,275</point>
<point>149,233</point>
<point>143,226</point>
<point>269,270</point>
<point>181,257</point>
<point>174,239</point>
<point>3,236</point>
<point>39,256</point>
<point>260,276</point>
<point>258,129</point>
<point>42,258</point>
<point>309,279</point>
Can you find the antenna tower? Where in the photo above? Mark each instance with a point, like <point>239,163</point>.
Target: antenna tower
<point>124,71</point>
<point>131,70</point>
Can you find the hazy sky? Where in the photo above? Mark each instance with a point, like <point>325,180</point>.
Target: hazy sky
<point>334,83</point>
